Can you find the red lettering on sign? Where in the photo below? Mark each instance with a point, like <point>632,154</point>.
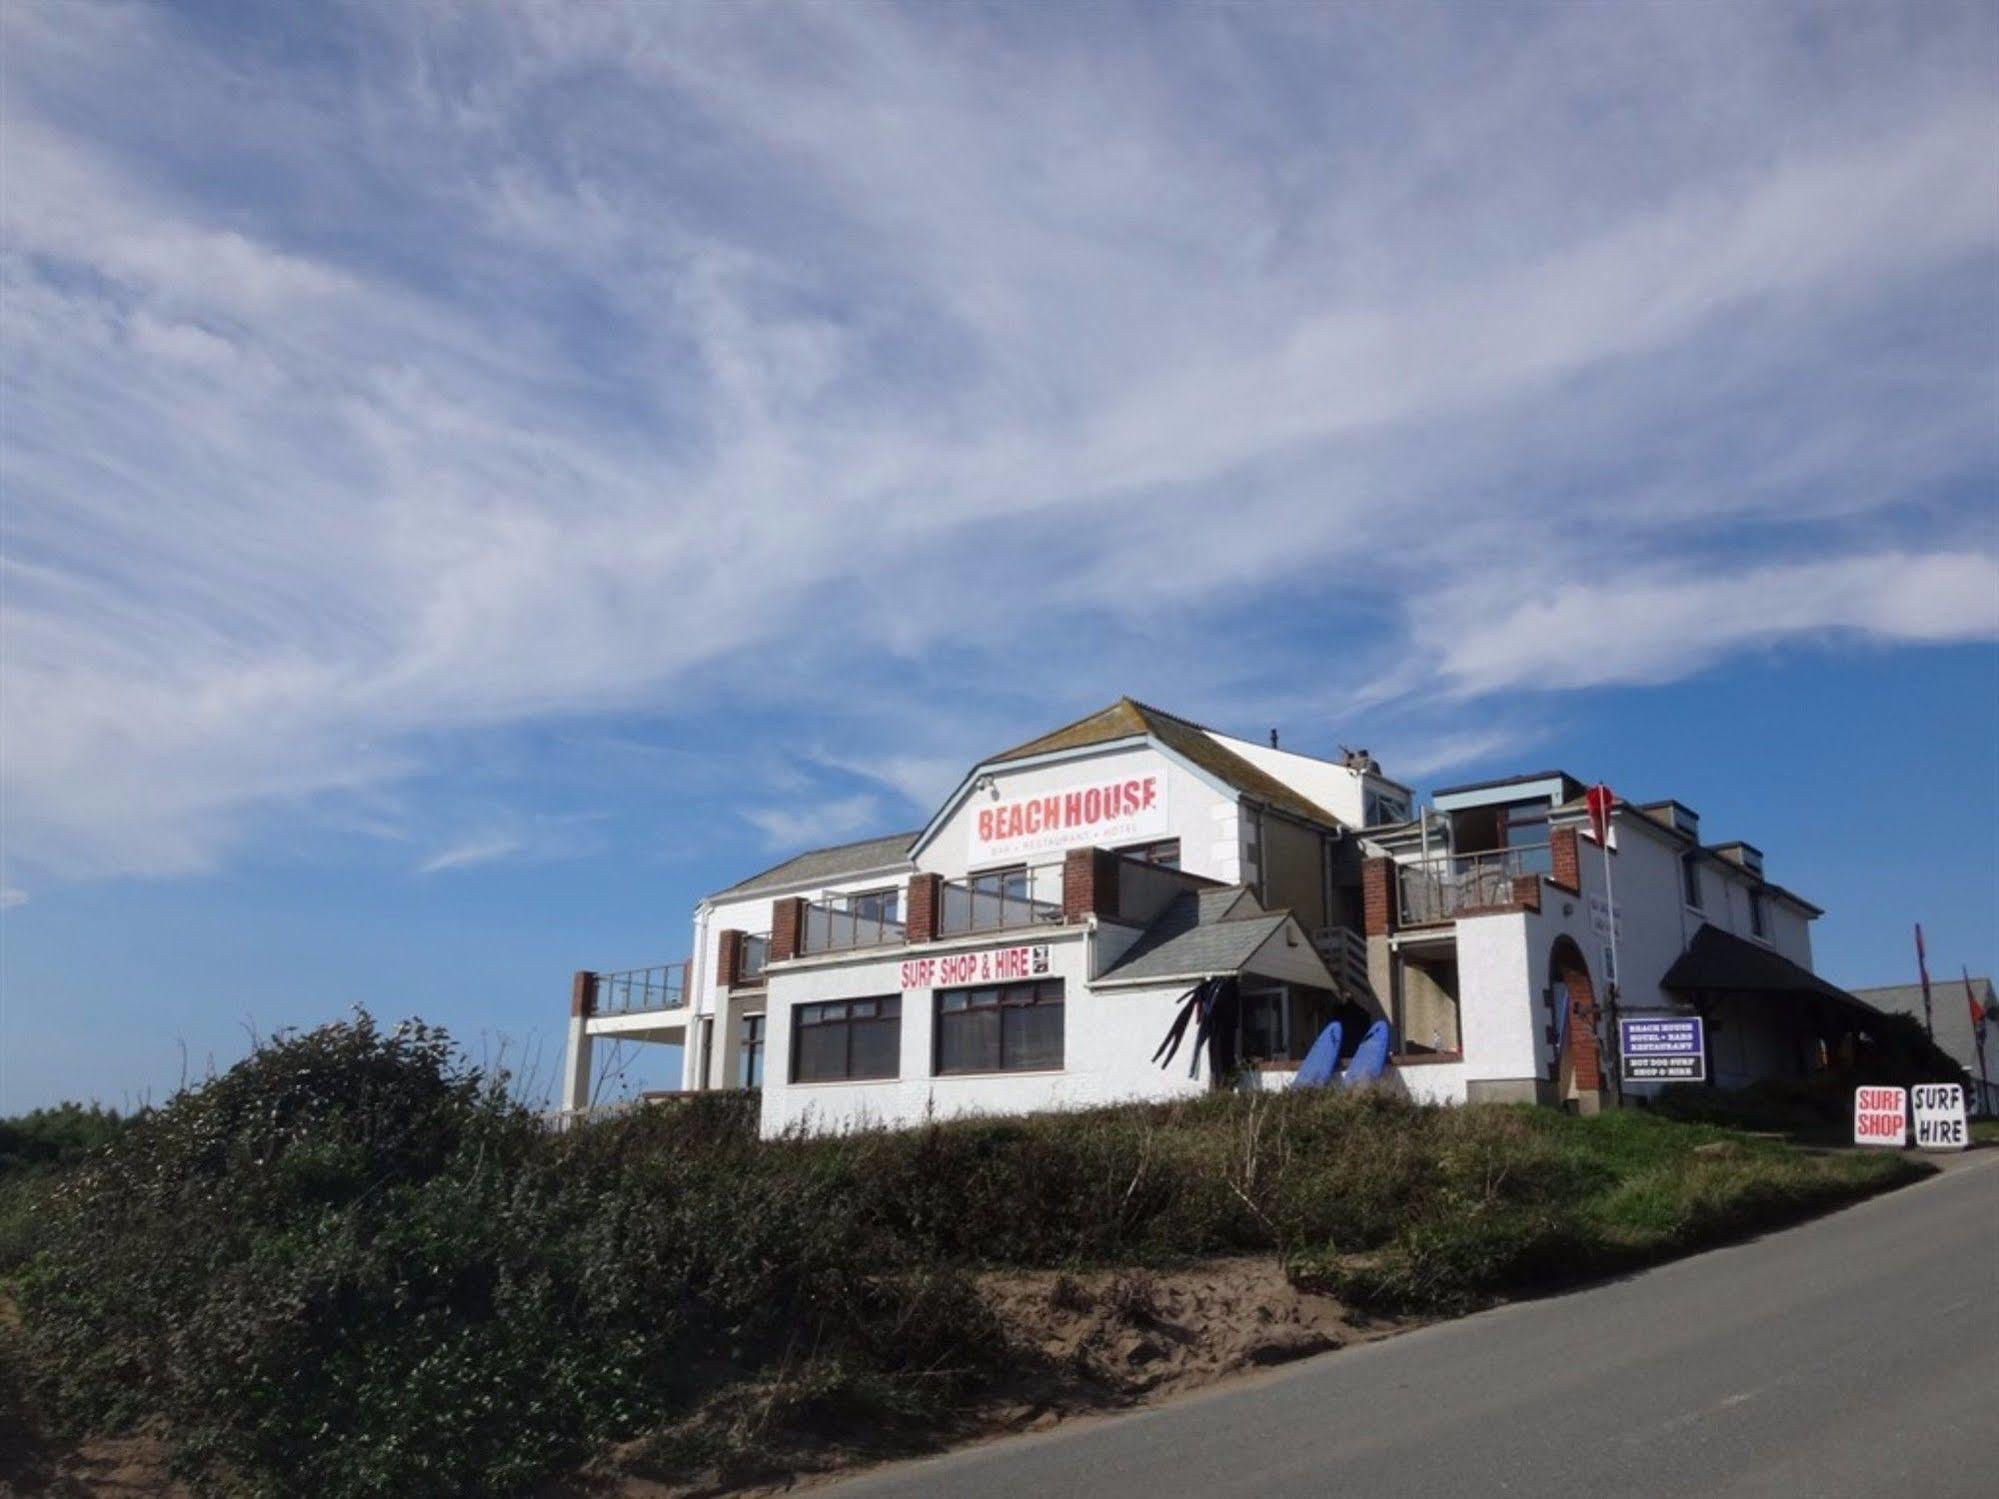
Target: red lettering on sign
<point>1151,790</point>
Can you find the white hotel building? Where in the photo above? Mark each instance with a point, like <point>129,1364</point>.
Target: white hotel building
<point>1030,946</point>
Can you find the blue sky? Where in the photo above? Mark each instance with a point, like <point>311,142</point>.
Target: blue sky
<point>475,480</point>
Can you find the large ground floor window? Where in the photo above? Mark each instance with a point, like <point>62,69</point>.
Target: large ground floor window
<point>1000,1028</point>
<point>846,1039</point>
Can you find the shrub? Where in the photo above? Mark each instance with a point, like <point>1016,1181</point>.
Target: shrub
<point>352,1265</point>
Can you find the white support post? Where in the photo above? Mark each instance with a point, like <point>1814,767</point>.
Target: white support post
<point>576,1062</point>
<point>576,1069</point>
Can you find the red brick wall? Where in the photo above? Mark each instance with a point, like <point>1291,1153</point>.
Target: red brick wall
<point>729,960</point>
<point>583,992</point>
<point>787,925</point>
<point>1584,1053</point>
<point>1377,890</point>
<point>1089,883</point>
<point>926,897</point>
<point>1568,871</point>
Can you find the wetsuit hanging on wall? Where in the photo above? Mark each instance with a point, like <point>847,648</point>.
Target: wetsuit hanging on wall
<point>1216,1004</point>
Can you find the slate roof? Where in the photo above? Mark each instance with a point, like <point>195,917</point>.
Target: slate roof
<point>818,865</point>
<point>1952,1014</point>
<point>1200,932</point>
<point>1127,718</point>
<point>1725,963</point>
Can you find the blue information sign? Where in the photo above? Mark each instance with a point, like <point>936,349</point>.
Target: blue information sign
<point>1662,1049</point>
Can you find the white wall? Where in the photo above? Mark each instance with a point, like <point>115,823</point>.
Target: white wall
<point>1322,782</point>
<point>1108,1040</point>
<point>750,914</point>
<point>1201,814</point>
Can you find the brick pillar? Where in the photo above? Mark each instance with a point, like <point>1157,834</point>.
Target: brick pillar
<point>583,993</point>
<point>729,960</point>
<point>1568,868</point>
<point>926,902</point>
<point>1089,883</point>
<point>787,927</point>
<point>1527,891</point>
<point>1377,891</point>
<point>1584,1053</point>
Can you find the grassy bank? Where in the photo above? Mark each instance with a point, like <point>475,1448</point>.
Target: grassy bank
<point>352,1266</point>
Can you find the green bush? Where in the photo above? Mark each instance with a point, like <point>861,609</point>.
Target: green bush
<point>353,1266</point>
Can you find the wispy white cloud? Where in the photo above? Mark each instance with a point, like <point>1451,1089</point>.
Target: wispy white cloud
<point>1655,626</point>
<point>831,820</point>
<point>366,401</point>
<point>485,848</point>
<point>12,896</point>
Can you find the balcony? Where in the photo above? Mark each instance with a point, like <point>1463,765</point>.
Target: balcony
<point>842,924</point>
<point>1000,902</point>
<point>1447,887</point>
<point>636,990</point>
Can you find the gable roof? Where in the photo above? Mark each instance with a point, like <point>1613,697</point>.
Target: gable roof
<point>816,865</point>
<point>1128,719</point>
<point>1200,932</point>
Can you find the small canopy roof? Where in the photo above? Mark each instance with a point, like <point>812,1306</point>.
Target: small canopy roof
<point>1214,931</point>
<point>1719,962</point>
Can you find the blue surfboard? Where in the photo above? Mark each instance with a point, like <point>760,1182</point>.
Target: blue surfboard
<point>1369,1057</point>
<point>1322,1062</point>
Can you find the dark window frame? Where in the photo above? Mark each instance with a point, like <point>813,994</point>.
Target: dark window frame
<point>1144,853</point>
<point>1005,996</point>
<point>1759,919</point>
<point>752,1046</point>
<point>1690,880</point>
<point>817,1016</point>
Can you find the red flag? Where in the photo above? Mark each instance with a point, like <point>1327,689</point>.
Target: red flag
<point>1977,1010</point>
<point>1600,801</point>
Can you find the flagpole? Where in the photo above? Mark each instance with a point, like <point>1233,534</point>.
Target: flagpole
<point>1923,971</point>
<point>1978,1040</point>
<point>1615,1077</point>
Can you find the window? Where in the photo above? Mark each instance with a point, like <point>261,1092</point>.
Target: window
<point>875,905</point>
<point>750,1053</point>
<point>1265,1030</point>
<point>1000,1028</point>
<point>1757,925</point>
<point>847,1039</point>
<point>1378,809</point>
<point>1690,878</point>
<point>1165,852</point>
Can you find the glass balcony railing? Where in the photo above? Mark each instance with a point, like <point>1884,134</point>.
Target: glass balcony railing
<point>836,925</point>
<point>995,903</point>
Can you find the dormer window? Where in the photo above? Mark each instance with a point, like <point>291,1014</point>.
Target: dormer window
<point>1690,878</point>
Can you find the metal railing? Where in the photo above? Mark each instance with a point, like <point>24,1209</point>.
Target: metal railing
<point>636,989</point>
<point>836,925</point>
<point>997,903</point>
<point>756,957</point>
<point>1445,887</point>
<point>1345,953</point>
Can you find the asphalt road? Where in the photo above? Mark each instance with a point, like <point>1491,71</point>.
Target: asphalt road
<point>1855,1355</point>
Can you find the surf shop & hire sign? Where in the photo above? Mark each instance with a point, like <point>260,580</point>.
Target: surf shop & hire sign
<point>1940,1121</point>
<point>1881,1116</point>
<point>1125,810</point>
<point>996,965</point>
